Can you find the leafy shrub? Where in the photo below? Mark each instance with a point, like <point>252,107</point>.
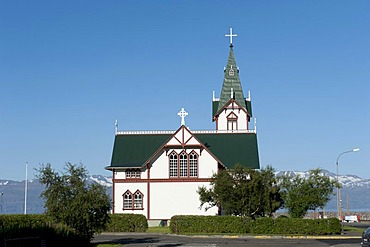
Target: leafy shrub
<point>127,223</point>
<point>37,228</point>
<point>208,224</point>
<point>291,226</point>
<point>264,225</point>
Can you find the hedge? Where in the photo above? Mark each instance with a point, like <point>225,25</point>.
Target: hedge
<point>291,226</point>
<point>34,229</point>
<point>240,225</point>
<point>127,223</point>
<point>208,224</point>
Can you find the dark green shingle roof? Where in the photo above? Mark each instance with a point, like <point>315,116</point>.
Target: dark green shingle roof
<point>134,150</point>
<point>231,81</point>
<point>233,148</point>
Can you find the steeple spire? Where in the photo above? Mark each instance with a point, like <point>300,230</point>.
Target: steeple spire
<point>231,83</point>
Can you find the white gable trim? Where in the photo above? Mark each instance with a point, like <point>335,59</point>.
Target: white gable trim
<point>178,140</point>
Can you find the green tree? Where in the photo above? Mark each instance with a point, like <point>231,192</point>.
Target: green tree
<point>295,196</point>
<point>243,192</point>
<point>71,200</point>
<point>303,194</point>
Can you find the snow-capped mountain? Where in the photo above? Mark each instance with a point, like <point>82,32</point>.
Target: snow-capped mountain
<point>355,193</point>
<point>102,180</point>
<point>12,194</point>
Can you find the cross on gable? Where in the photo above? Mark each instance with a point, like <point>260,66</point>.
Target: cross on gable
<point>182,114</point>
<point>231,35</point>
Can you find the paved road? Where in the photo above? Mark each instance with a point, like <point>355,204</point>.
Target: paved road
<point>169,240</point>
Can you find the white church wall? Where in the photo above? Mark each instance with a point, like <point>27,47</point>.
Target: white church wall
<point>173,198</point>
<point>160,167</point>
<point>119,175</point>
<point>207,165</point>
<point>242,119</point>
<point>121,188</point>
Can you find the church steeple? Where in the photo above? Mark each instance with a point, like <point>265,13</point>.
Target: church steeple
<point>231,87</point>
<point>232,111</point>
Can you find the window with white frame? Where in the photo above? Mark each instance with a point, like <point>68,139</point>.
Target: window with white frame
<point>127,200</point>
<point>133,173</point>
<point>232,121</point>
<point>183,165</point>
<point>138,200</point>
<point>174,164</point>
<point>132,201</point>
<point>193,164</point>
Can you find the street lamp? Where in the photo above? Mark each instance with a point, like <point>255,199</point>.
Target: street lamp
<point>339,201</point>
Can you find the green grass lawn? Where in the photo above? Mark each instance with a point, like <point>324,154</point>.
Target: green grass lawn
<point>158,229</point>
<point>353,229</point>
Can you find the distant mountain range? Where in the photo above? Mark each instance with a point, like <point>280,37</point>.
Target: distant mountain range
<point>355,193</point>
<point>12,195</point>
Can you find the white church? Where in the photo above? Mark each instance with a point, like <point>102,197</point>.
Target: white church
<point>157,173</point>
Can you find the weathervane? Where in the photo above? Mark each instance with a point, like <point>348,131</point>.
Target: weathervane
<point>231,35</point>
<point>182,114</point>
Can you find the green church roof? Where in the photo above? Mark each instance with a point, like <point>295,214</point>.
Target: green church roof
<point>134,150</point>
<point>230,148</point>
<point>233,148</point>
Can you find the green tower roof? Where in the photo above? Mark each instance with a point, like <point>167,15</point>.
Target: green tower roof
<point>231,87</point>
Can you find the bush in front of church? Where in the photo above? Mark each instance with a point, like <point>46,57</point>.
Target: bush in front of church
<point>127,223</point>
<point>37,230</point>
<point>208,224</point>
<point>264,225</point>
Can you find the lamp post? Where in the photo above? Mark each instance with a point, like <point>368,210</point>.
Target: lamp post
<point>2,194</point>
<point>339,201</point>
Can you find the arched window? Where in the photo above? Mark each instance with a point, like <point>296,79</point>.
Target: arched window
<point>232,121</point>
<point>174,165</point>
<point>133,201</point>
<point>138,200</point>
<point>127,200</point>
<point>193,164</point>
<point>183,164</point>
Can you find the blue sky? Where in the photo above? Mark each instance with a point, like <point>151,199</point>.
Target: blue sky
<point>68,69</point>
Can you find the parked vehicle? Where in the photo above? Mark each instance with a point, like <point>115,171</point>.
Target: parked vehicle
<point>366,238</point>
<point>351,218</point>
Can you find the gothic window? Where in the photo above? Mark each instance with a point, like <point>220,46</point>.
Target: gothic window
<point>132,201</point>
<point>193,164</point>
<point>232,121</point>
<point>138,200</point>
<point>173,164</point>
<point>183,164</point>
<point>127,200</point>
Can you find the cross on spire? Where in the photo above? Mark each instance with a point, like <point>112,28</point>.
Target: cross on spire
<point>182,114</point>
<point>231,35</point>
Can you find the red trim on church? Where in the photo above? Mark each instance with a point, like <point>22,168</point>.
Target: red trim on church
<point>148,191</point>
<point>163,180</point>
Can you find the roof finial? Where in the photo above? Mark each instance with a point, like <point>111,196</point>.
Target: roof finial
<point>231,35</point>
<point>182,114</point>
<point>116,126</point>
